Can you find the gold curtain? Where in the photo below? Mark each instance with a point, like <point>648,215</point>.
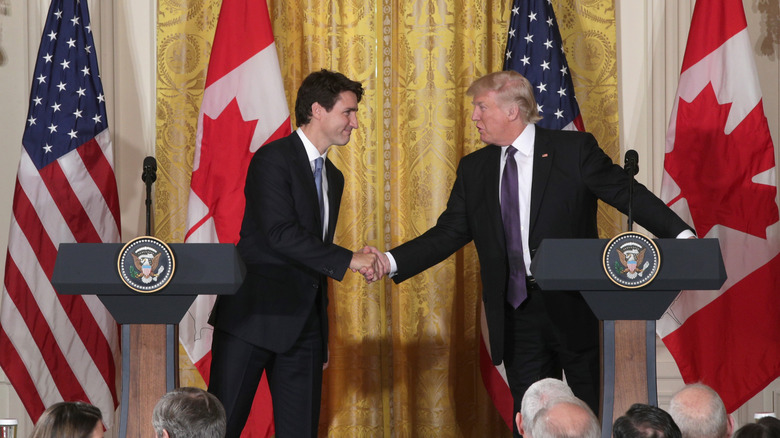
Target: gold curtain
<point>404,359</point>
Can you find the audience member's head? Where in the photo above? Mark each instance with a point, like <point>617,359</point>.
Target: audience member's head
<point>699,412</point>
<point>766,427</point>
<point>539,395</point>
<point>69,420</point>
<point>645,421</point>
<point>566,419</point>
<point>772,424</point>
<point>189,413</point>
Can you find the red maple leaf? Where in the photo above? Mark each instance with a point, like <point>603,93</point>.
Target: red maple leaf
<point>224,159</point>
<point>714,171</point>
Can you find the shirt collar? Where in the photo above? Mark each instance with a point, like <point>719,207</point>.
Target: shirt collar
<point>311,150</point>
<point>524,143</point>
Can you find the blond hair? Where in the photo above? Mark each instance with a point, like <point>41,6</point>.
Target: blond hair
<point>511,88</point>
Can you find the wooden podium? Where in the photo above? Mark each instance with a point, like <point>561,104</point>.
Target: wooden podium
<point>629,315</point>
<point>149,344</point>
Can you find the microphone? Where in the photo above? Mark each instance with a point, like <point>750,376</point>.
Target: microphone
<point>150,170</point>
<point>148,177</point>
<point>632,162</point>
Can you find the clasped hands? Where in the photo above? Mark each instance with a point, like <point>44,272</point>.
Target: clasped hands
<point>371,263</point>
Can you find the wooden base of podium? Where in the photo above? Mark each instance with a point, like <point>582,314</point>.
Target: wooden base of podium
<point>629,374</point>
<point>148,372</point>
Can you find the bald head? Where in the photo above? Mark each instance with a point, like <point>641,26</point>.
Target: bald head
<point>566,419</point>
<point>541,394</point>
<point>699,412</point>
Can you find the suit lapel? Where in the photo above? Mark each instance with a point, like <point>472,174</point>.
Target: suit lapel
<point>492,187</point>
<point>543,158</point>
<point>302,167</point>
<point>335,188</point>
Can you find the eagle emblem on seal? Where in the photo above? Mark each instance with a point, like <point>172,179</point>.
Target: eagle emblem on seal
<point>148,267</point>
<point>632,258</point>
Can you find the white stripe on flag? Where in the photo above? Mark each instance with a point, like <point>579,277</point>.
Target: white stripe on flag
<point>25,346</point>
<point>60,326</point>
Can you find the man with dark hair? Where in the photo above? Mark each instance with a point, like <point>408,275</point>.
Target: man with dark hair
<point>645,421</point>
<point>188,413</point>
<point>277,321</point>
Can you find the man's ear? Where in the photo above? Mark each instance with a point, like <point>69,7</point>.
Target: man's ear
<point>730,426</point>
<point>513,111</point>
<point>316,110</point>
<point>165,434</point>
<point>519,421</point>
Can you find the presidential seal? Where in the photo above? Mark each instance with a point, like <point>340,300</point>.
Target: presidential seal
<point>146,264</point>
<point>631,260</point>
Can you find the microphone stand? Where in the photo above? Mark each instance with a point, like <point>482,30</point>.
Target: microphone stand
<point>631,167</point>
<point>630,204</point>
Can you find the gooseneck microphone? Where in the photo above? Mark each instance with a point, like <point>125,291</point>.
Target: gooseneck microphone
<point>631,166</point>
<point>149,176</point>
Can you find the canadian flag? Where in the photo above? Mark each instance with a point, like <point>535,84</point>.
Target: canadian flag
<point>243,108</point>
<point>720,176</point>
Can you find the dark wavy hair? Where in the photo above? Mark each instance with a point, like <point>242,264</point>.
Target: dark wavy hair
<point>323,87</point>
<point>67,420</point>
<point>645,421</point>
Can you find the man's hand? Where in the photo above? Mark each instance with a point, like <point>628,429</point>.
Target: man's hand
<point>383,260</point>
<point>371,263</point>
<point>367,264</point>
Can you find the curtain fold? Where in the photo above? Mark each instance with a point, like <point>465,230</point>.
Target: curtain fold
<point>404,359</point>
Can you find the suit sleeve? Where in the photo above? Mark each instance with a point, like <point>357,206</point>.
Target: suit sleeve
<point>287,218</point>
<point>450,233</point>
<point>610,183</point>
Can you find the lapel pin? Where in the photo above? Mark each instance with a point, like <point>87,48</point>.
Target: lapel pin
<point>544,155</point>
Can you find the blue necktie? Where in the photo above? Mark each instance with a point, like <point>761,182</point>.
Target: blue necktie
<point>318,182</point>
<point>516,291</point>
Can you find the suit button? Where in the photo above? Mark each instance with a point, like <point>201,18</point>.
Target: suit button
<point>315,285</point>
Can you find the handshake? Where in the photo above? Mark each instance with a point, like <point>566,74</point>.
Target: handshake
<point>372,263</point>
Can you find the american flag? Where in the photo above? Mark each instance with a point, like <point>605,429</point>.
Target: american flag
<point>61,347</point>
<point>534,49</point>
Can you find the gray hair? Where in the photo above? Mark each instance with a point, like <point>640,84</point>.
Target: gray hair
<point>189,413</point>
<point>699,412</point>
<point>579,422</point>
<point>542,394</point>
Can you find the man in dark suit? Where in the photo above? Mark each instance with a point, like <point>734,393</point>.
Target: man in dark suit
<point>277,321</point>
<point>556,179</point>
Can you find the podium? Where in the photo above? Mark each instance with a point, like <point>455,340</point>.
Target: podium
<point>629,315</point>
<point>201,269</point>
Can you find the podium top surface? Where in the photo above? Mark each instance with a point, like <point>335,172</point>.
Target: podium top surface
<point>577,264</point>
<point>201,269</point>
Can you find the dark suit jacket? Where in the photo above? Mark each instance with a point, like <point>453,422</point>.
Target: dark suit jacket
<point>281,244</point>
<point>570,172</point>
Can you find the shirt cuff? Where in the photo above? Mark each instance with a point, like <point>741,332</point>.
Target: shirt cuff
<point>686,234</point>
<point>393,265</point>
